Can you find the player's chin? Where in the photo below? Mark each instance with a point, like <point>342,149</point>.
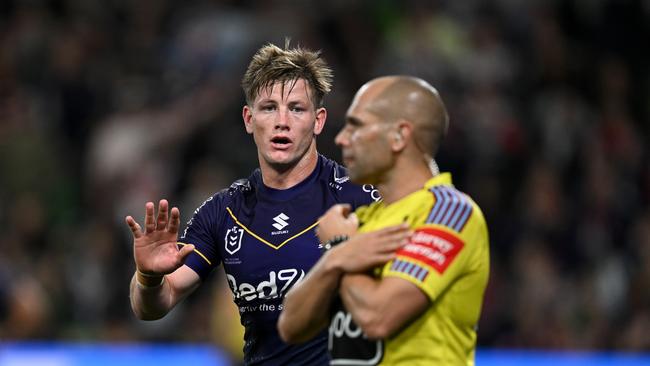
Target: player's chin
<point>281,158</point>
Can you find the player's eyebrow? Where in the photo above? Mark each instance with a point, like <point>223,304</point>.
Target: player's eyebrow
<point>296,102</point>
<point>266,100</point>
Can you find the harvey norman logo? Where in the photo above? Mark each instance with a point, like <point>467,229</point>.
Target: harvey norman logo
<point>434,247</point>
<point>280,223</point>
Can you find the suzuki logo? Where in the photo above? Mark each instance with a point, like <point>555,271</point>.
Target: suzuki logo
<point>280,221</point>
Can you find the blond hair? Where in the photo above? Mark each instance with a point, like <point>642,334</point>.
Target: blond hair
<point>272,64</point>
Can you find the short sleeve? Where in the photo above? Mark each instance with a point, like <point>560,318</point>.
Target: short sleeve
<point>357,195</point>
<point>200,231</point>
<point>432,259</point>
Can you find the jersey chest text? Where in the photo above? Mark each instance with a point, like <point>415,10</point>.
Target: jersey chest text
<point>265,256</point>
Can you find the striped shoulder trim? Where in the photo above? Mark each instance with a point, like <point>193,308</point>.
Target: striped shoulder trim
<point>451,208</point>
<point>410,269</point>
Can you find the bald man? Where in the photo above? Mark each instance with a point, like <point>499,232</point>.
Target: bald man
<point>402,280</point>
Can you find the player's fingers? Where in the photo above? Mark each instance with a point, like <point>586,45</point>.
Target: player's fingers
<point>353,219</point>
<point>337,210</point>
<point>135,228</point>
<point>400,229</point>
<point>149,223</point>
<point>379,259</point>
<point>393,245</point>
<point>345,209</point>
<point>184,252</point>
<point>386,257</point>
<point>163,208</point>
<point>399,234</point>
<point>389,242</point>
<point>398,237</point>
<point>174,220</point>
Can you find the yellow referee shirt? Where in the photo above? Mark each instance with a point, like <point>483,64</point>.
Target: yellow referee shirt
<point>447,258</point>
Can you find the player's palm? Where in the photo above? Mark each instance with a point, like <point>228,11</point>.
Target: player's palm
<point>155,250</point>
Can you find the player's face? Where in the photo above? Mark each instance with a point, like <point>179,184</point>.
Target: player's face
<point>284,122</point>
<point>364,143</point>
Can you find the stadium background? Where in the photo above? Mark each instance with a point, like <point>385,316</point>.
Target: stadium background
<point>107,104</point>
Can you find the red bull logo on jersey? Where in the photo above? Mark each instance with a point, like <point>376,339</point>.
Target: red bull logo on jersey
<point>277,284</point>
<point>433,247</point>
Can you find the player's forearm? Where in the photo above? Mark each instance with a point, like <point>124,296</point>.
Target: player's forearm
<point>150,302</point>
<point>358,292</point>
<point>306,306</point>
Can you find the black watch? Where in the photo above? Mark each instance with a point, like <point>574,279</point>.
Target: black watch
<point>338,239</point>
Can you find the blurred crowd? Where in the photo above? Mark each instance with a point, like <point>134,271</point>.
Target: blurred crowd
<point>105,105</point>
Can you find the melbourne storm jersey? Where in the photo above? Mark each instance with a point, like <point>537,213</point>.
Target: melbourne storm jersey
<point>266,241</point>
<point>447,257</point>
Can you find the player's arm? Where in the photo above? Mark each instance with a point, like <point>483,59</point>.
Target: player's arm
<point>152,297</point>
<point>429,263</point>
<point>161,280</point>
<point>307,305</point>
<point>381,306</point>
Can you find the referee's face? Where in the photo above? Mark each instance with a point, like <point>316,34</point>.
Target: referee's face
<point>284,121</point>
<point>365,141</point>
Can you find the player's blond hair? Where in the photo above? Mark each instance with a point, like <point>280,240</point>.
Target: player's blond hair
<point>273,64</point>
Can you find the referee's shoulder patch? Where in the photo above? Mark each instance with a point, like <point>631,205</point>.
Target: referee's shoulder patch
<point>452,208</point>
<point>432,246</point>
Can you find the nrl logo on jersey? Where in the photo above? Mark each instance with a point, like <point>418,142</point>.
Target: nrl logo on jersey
<point>233,239</point>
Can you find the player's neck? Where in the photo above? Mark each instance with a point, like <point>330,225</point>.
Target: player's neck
<point>288,176</point>
<point>403,180</point>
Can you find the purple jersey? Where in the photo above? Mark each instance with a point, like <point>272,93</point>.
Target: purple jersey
<point>266,241</point>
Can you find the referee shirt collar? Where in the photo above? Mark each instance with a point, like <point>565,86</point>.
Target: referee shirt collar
<point>442,179</point>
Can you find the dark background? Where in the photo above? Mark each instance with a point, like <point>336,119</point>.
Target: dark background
<point>106,104</point>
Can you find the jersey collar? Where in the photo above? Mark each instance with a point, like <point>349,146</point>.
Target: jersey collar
<point>442,179</point>
<point>287,194</point>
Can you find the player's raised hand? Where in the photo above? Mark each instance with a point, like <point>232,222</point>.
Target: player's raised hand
<point>338,220</point>
<point>365,251</point>
<point>155,249</point>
